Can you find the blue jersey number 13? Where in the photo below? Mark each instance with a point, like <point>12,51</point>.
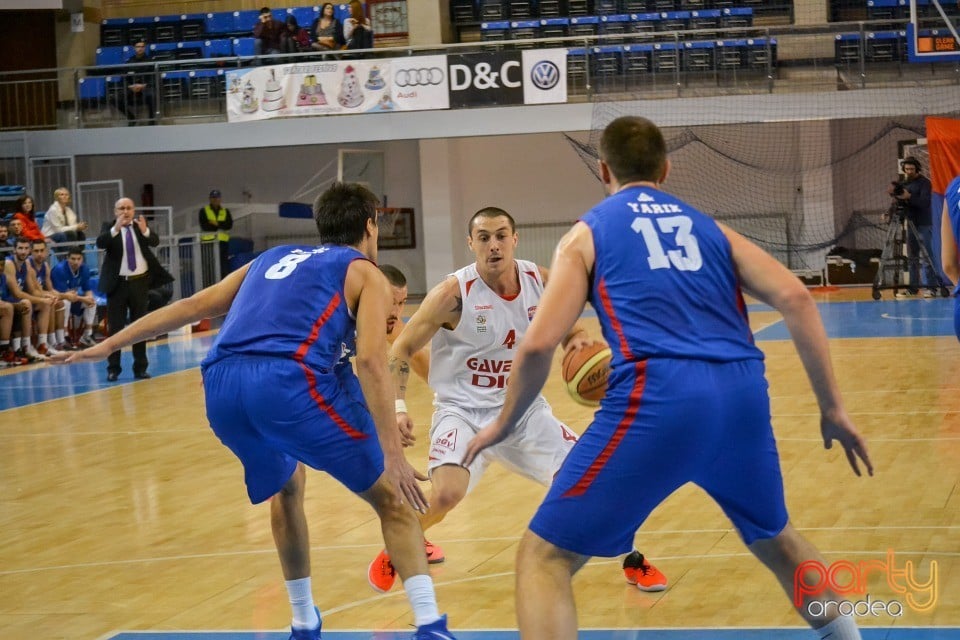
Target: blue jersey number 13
<point>686,258</point>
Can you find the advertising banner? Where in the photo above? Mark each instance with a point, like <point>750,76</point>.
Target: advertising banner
<point>337,87</point>
<point>533,76</point>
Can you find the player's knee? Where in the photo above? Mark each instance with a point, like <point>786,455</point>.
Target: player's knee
<point>446,497</point>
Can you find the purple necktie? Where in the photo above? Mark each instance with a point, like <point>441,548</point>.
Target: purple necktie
<point>131,252</point>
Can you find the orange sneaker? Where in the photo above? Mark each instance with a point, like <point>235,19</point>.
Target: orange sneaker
<point>380,574</point>
<point>435,554</point>
<point>638,571</point>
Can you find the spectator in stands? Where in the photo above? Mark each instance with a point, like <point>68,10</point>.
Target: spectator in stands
<point>6,242</point>
<point>326,31</point>
<point>357,30</point>
<point>72,278</point>
<point>15,228</point>
<point>215,221</point>
<point>25,214</point>
<point>267,33</point>
<point>139,88</point>
<point>18,275</point>
<point>294,38</point>
<point>61,223</point>
<point>42,286</point>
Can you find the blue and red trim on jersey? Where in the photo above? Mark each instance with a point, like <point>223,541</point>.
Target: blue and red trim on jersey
<point>312,377</point>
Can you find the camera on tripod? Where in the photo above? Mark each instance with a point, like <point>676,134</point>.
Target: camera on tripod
<point>897,189</point>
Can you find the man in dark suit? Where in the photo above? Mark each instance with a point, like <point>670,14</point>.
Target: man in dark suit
<point>128,273</point>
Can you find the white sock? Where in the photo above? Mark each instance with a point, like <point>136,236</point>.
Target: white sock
<point>59,336</point>
<point>41,339</point>
<point>301,602</point>
<point>16,344</point>
<point>422,599</point>
<point>842,628</point>
<point>89,316</point>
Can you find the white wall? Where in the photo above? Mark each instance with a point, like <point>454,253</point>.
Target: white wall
<point>182,180</point>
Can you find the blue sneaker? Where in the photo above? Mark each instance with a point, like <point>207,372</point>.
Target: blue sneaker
<point>434,631</point>
<point>307,634</point>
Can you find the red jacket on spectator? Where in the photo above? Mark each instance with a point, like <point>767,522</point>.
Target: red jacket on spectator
<point>31,231</point>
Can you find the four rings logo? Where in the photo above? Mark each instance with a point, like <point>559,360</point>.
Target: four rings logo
<point>545,75</point>
<point>422,77</point>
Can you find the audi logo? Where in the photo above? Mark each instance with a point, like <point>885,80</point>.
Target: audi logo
<point>418,77</point>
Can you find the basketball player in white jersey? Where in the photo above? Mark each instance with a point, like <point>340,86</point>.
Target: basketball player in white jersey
<point>473,321</point>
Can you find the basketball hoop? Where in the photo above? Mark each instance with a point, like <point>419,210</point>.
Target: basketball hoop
<point>387,218</point>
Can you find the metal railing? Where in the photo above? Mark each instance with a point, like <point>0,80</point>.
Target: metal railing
<point>654,64</point>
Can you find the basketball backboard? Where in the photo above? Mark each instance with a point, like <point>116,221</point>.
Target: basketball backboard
<point>934,38</point>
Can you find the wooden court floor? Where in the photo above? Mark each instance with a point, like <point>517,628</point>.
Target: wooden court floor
<point>119,510</point>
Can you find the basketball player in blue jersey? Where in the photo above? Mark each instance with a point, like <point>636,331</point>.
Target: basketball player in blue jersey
<point>949,236</point>
<point>281,393</point>
<point>687,400</point>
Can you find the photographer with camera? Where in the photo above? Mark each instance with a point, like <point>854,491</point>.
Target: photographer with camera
<point>911,201</point>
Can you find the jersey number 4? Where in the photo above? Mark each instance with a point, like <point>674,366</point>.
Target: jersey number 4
<point>686,258</point>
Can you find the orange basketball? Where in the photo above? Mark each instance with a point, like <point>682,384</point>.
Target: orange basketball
<point>586,371</point>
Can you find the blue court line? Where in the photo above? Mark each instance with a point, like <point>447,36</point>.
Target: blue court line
<point>41,383</point>
<point>869,633</point>
<point>865,319</point>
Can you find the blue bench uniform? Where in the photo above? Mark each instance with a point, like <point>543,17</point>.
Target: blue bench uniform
<point>21,278</point>
<point>64,279</point>
<point>278,382</point>
<point>687,399</point>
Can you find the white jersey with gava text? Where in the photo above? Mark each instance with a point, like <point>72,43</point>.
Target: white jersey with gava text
<point>470,365</point>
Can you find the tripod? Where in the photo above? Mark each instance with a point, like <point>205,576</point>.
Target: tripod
<point>893,260</point>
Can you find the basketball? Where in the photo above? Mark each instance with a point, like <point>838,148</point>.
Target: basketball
<point>586,371</point>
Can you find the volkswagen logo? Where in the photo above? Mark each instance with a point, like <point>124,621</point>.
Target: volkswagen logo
<point>545,75</point>
<point>418,77</point>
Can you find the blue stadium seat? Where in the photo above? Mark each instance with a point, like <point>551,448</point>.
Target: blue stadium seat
<point>616,24</point>
<point>162,51</point>
<point>191,26</point>
<point>341,12</point>
<point>109,55</point>
<point>166,28</point>
<point>222,48</point>
<point>698,56</point>
<point>218,23</point>
<point>244,21</point>
<point>494,31</point>
<point>93,88</point>
<point>243,47</point>
<point>585,26</point>
<point>305,15</point>
<point>644,22</point>
<point>113,32</point>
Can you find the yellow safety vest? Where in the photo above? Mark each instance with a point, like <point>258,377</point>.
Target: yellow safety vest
<point>216,217</point>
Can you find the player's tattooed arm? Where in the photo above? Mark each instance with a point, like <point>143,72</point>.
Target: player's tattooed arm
<point>400,370</point>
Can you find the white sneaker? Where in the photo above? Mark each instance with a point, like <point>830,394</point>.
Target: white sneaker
<point>87,341</point>
<point>929,293</point>
<point>31,352</point>
<point>904,295</point>
<point>46,350</point>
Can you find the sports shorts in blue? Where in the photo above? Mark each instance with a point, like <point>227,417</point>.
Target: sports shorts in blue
<point>668,422</point>
<point>271,414</point>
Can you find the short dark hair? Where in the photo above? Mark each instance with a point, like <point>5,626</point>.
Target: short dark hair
<point>394,275</point>
<point>36,242</point>
<point>634,149</point>
<point>21,240</point>
<point>75,251</point>
<point>490,212</point>
<point>264,10</point>
<point>341,213</point>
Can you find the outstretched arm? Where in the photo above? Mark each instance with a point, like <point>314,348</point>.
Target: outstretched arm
<point>774,284</point>
<point>212,302</point>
